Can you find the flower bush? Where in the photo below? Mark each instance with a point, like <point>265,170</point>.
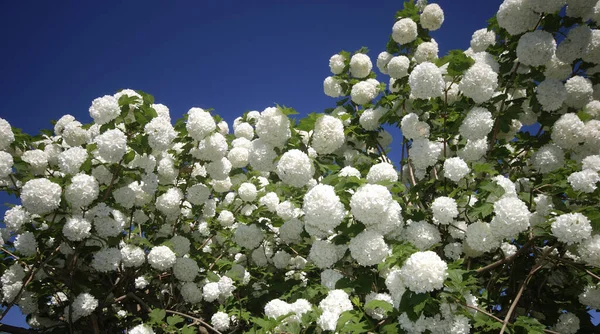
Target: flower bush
<point>490,224</point>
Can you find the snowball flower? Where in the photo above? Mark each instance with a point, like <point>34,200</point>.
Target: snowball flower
<point>6,164</point>
<point>328,135</point>
<point>70,161</point>
<point>571,228</point>
<point>511,217</point>
<point>77,228</point>
<point>568,323</point>
<point>426,51</point>
<point>295,168</point>
<point>360,65</point>
<point>26,244</point>
<point>191,293</point>
<point>169,202</point>
<point>323,210</point>
<point>455,169</point>
<point>199,123</point>
<point>584,181</point>
<point>412,128</point>
<point>404,31</point>
<point>479,82</point>
<point>432,17</point>
<point>444,210</point>
<point>197,194</point>
<point>332,87</point>
<point>132,256</point>
<point>382,60</point>
<point>369,202</point>
<point>40,196</point>
<point>480,237</point>
<point>579,91</point>
<point>516,17</point>
<point>546,6</point>
<point>422,234</point>
<point>15,217</point>
<point>185,269</point>
<point>220,321</point>
<point>567,131</point>
<point>589,251</point>
<point>551,93</point>
<point>104,109</point>
<point>481,39</point>
<point>83,305</point>
<point>382,172</point>
<point>82,191</point>
<point>424,272</point>
<point>37,160</point>
<point>536,48</point>
<point>7,137</point>
<point>323,254</point>
<point>161,258</point>
<point>398,67</point>
<point>336,302</point>
<point>426,81</point>
<point>247,192</point>
<point>363,92</point>
<point>106,259</point>
<point>424,153</point>
<point>368,248</point>
<point>336,64</point>
<point>141,329</point>
<point>273,126</point>
<point>548,158</point>
<point>248,236</point>
<point>160,134</point>
<point>369,119</point>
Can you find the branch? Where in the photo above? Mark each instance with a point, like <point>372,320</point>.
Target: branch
<point>506,259</point>
<point>16,330</point>
<point>195,319</point>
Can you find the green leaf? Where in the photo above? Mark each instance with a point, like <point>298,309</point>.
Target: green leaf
<point>374,304</point>
<point>531,325</point>
<point>188,330</point>
<point>157,315</point>
<point>174,320</point>
<point>129,157</point>
<point>457,61</point>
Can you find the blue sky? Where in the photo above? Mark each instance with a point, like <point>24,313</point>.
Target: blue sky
<point>233,56</point>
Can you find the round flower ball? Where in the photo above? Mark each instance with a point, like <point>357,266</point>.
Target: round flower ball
<point>104,109</point>
<point>185,269</point>
<point>455,169</point>
<point>7,137</point>
<point>332,87</point>
<point>369,202</point>
<point>432,17</point>
<point>323,210</point>
<point>220,321</point>
<point>444,210</point>
<point>548,158</point>
<point>571,228</point>
<point>77,228</point>
<point>328,135</point>
<point>247,192</point>
<point>337,64</point>
<point>40,196</point>
<point>132,256</point>
<point>6,164</point>
<point>323,254</point>
<point>248,236</point>
<point>479,82</point>
<point>477,124</point>
<point>536,48</point>
<point>363,92</point>
<point>551,93</point>
<point>481,39</point>
<point>112,145</point>
<point>404,31</point>
<point>161,258</point>
<point>360,65</point>
<point>382,172</point>
<point>82,191</point>
<point>273,126</point>
<point>368,248</point>
<point>295,168</point>
<point>516,16</point>
<point>199,123</point>
<point>382,60</point>
<point>424,272</point>
<point>579,92</point>
<point>398,67</point>
<point>426,81</point>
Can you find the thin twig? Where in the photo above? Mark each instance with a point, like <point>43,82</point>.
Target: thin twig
<point>195,319</point>
<point>506,259</point>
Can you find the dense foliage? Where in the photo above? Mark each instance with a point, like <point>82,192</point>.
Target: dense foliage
<point>136,223</point>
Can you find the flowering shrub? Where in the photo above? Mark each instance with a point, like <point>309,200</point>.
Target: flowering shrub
<point>490,225</point>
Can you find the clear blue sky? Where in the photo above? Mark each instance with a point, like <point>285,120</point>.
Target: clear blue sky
<point>233,56</point>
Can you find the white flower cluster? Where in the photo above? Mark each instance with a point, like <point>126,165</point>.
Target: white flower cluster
<point>571,228</point>
<point>536,48</point>
<point>369,202</point>
<point>12,282</point>
<point>424,272</point>
<point>516,16</point>
<point>248,236</point>
<point>404,31</point>
<point>161,258</point>
<point>382,172</point>
<point>141,329</point>
<point>568,323</point>
<point>323,210</point>
<point>199,123</point>
<point>83,305</point>
<point>328,135</point>
<point>479,82</point>
<point>364,92</point>
<point>360,65</point>
<point>368,248</point>
<point>551,93</point>
<point>432,17</point>
<point>336,302</point>
<point>277,308</point>
<point>444,210</point>
<point>511,217</point>
<point>455,169</point>
<point>426,81</point>
<point>422,234</point>
<point>220,321</point>
<point>7,137</point>
<point>295,168</point>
